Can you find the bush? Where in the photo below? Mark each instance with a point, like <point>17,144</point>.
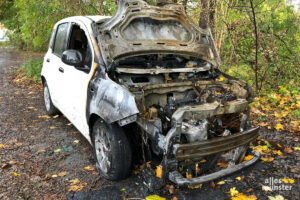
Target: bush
<point>32,69</point>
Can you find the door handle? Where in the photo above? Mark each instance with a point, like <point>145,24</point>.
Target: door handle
<point>61,69</point>
<point>48,59</point>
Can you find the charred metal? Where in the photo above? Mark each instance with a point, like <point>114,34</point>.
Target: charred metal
<point>162,76</point>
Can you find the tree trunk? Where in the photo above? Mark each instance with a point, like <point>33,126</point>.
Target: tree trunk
<point>207,14</point>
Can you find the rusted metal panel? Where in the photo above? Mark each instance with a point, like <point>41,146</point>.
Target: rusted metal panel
<point>209,147</point>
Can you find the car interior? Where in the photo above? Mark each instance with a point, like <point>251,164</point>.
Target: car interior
<point>78,41</point>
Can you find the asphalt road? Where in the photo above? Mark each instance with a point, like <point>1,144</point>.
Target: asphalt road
<point>46,158</point>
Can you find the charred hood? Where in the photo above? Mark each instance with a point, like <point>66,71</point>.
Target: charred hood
<point>138,28</point>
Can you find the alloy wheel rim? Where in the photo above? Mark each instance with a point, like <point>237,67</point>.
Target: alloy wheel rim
<point>102,147</point>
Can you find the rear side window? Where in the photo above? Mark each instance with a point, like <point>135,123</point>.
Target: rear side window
<point>60,39</point>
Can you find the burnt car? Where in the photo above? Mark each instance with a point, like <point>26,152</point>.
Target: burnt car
<point>149,77</point>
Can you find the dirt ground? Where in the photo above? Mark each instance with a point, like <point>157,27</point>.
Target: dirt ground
<point>47,158</point>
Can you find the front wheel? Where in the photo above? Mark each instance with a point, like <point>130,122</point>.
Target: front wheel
<point>112,150</point>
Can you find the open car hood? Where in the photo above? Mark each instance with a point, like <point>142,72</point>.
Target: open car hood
<point>138,28</point>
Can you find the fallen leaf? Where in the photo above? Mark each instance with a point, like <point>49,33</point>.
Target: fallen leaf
<point>155,197</point>
<point>148,164</point>
<point>220,79</point>
<point>241,196</point>
<point>74,181</point>
<point>174,198</point>
<point>288,150</point>
<point>278,127</point>
<point>2,146</point>
<point>52,127</point>
<point>277,197</point>
<point>123,189</point>
<point>222,164</point>
<point>54,176</point>
<point>188,176</point>
<point>41,151</point>
<point>62,174</point>
<point>45,116</point>
<point>203,161</point>
<point>249,157</point>
<point>288,180</point>
<point>195,186</point>
<point>266,188</point>
<point>158,171</point>
<point>56,116</point>
<point>171,189</point>
<point>238,178</point>
<point>221,183</point>
<point>69,124</point>
<point>17,92</point>
<point>267,159</point>
<point>89,168</point>
<point>76,188</point>
<point>15,173</point>
<point>57,150</point>
<point>297,148</point>
<point>233,191</point>
<point>76,141</point>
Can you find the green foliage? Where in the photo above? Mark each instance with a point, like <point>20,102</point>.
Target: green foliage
<point>32,69</point>
<point>32,21</point>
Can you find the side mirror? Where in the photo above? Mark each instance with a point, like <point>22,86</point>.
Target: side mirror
<point>72,57</point>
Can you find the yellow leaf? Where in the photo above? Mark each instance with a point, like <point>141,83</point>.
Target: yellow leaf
<point>123,189</point>
<point>296,148</point>
<point>188,176</point>
<point>76,188</point>
<point>238,178</point>
<point>76,141</point>
<point>89,168</point>
<point>233,191</point>
<point>2,146</point>
<point>56,116</point>
<point>74,181</point>
<point>279,152</point>
<point>221,164</point>
<point>267,159</point>
<point>277,197</point>
<point>249,157</point>
<point>69,124</point>
<point>57,150</point>
<point>220,79</point>
<point>197,168</point>
<point>62,173</point>
<point>52,127</point>
<point>15,173</point>
<point>288,180</point>
<point>54,176</point>
<point>279,127</point>
<point>241,196</point>
<point>45,116</point>
<point>199,186</point>
<point>155,197</point>
<point>158,171</point>
<point>221,183</point>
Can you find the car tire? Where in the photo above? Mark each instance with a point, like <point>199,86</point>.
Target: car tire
<point>112,150</point>
<point>50,108</point>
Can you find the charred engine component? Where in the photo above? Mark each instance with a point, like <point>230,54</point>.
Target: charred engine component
<point>195,131</point>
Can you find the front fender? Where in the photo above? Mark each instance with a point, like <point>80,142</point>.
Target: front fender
<point>112,102</point>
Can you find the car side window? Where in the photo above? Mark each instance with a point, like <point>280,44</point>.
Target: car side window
<point>78,41</point>
<point>60,39</point>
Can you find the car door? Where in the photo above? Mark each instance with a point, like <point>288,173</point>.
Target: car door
<point>54,67</point>
<point>76,82</point>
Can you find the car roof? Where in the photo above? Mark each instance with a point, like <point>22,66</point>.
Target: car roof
<point>85,19</point>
